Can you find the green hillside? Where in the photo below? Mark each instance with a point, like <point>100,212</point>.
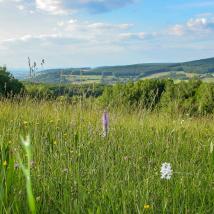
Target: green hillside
<point>201,69</point>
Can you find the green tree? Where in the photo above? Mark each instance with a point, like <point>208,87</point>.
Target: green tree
<point>9,86</point>
<point>205,98</point>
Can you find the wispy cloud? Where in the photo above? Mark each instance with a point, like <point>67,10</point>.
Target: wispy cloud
<point>74,31</point>
<point>63,30</point>
<point>198,25</point>
<point>93,6</point>
<point>54,7</point>
<point>62,7</point>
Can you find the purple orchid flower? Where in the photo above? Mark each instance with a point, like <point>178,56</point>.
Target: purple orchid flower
<point>105,120</point>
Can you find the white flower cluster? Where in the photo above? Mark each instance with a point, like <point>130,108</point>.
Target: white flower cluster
<point>166,171</point>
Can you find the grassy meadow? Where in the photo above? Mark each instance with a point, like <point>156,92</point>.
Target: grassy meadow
<point>74,169</point>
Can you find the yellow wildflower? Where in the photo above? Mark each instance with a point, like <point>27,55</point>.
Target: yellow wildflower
<point>5,163</point>
<point>54,142</point>
<point>146,206</point>
<point>25,122</point>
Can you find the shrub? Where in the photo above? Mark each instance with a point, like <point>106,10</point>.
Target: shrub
<point>205,98</point>
<point>146,94</point>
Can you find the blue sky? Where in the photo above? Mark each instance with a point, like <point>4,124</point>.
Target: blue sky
<point>75,33</point>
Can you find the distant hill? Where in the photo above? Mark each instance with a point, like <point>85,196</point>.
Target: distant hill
<point>202,69</point>
<point>20,73</point>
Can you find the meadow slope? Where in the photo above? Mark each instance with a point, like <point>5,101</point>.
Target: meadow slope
<point>76,170</point>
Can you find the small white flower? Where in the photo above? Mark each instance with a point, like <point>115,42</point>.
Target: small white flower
<point>104,134</point>
<point>166,171</point>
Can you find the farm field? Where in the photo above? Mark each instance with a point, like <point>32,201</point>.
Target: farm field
<point>86,79</point>
<point>74,169</point>
<point>199,69</point>
<point>177,76</point>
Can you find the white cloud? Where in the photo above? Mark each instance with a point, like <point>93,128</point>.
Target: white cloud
<point>131,36</point>
<point>197,23</point>
<point>29,37</point>
<point>62,7</point>
<point>66,35</point>
<point>177,30</point>
<point>57,7</point>
<point>92,31</point>
<point>106,26</point>
<point>16,1</point>
<point>201,25</point>
<point>51,6</point>
<point>74,32</point>
<point>21,7</point>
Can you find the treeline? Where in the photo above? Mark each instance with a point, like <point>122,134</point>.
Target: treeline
<point>187,97</point>
<point>192,97</point>
<point>63,91</point>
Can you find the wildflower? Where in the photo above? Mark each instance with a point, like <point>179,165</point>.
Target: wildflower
<point>54,142</point>
<point>146,206</point>
<point>25,122</point>
<point>105,120</point>
<point>166,171</point>
<point>5,163</point>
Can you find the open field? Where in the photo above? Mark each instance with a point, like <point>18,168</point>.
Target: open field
<point>177,76</point>
<point>76,170</point>
<point>86,79</point>
<point>200,69</point>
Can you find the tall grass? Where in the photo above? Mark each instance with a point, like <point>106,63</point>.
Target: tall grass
<point>75,170</point>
